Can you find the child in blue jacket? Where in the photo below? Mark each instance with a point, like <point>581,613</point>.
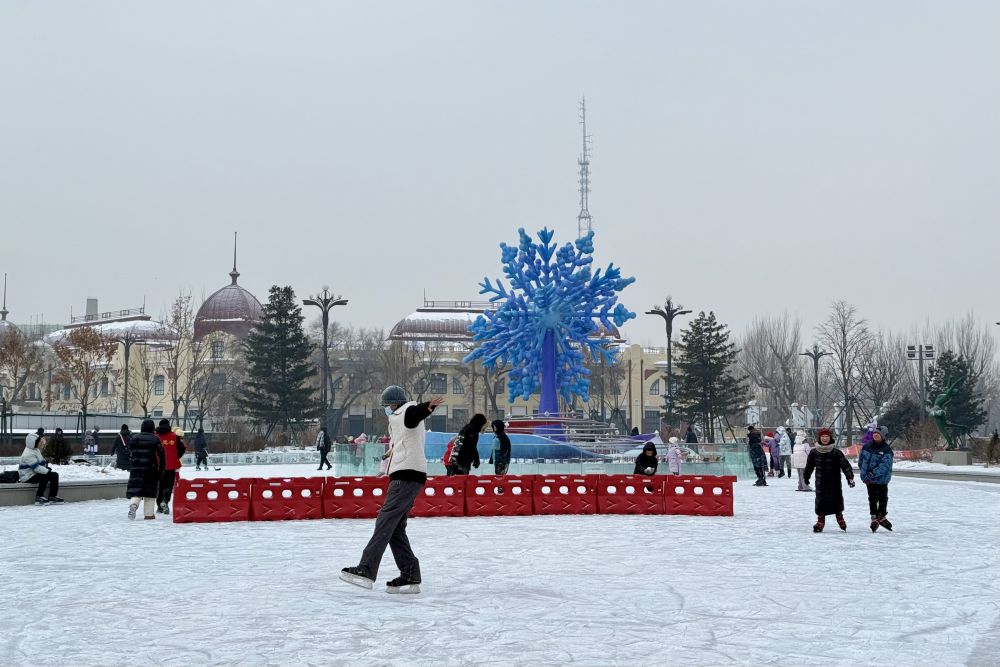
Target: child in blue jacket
<point>875,468</point>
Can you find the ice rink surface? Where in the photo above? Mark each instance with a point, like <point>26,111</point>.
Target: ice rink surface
<point>85,586</point>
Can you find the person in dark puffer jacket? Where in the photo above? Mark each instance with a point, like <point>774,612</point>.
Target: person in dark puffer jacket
<point>875,469</point>
<point>146,461</point>
<point>828,462</point>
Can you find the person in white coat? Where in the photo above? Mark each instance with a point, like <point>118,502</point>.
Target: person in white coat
<point>800,455</point>
<point>407,475</point>
<point>785,452</point>
<point>674,456</point>
<point>34,469</point>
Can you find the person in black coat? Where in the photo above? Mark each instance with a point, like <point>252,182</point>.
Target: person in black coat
<point>148,463</point>
<point>828,462</point>
<point>465,454</point>
<point>200,450</point>
<point>756,452</point>
<point>645,463</point>
<point>323,445</point>
<point>690,437</point>
<point>123,458</point>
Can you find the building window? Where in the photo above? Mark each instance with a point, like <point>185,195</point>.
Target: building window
<point>67,392</point>
<point>498,388</point>
<point>456,386</point>
<point>354,383</point>
<point>439,383</point>
<point>157,413</point>
<point>33,392</point>
<point>159,385</point>
<point>654,389</point>
<point>218,349</point>
<point>104,386</point>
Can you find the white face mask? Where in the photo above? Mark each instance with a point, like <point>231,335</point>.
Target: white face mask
<point>388,411</point>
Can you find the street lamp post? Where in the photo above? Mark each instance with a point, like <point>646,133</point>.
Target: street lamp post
<point>815,354</point>
<point>325,302</point>
<point>668,312</point>
<point>128,339</point>
<point>920,353</point>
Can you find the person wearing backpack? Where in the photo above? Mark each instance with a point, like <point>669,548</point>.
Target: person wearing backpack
<point>34,469</point>
<point>449,469</point>
<point>465,455</point>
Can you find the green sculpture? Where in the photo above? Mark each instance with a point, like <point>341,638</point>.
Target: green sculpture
<point>940,415</point>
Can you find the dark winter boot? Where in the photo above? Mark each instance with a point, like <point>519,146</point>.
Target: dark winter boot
<point>882,521</point>
<point>403,584</point>
<point>781,473</point>
<point>820,523</point>
<point>875,523</point>
<point>357,576</point>
<point>841,522</point>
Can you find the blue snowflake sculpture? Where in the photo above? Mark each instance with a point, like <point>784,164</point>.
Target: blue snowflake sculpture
<point>548,316</point>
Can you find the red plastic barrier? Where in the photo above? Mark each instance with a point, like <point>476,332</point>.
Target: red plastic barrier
<point>441,496</point>
<point>354,497</point>
<point>499,495</point>
<point>700,496</point>
<point>565,494</point>
<point>630,494</point>
<point>209,500</point>
<point>277,498</point>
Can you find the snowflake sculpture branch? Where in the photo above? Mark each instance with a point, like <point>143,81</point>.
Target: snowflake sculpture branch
<point>548,316</point>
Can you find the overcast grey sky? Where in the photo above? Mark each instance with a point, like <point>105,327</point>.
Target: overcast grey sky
<point>748,156</point>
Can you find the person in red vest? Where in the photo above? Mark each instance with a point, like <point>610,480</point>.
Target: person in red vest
<point>173,448</point>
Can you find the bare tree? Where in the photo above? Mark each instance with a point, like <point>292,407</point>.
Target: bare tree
<point>179,326</point>
<point>882,373</point>
<point>355,367</point>
<point>771,357</point>
<point>215,371</point>
<point>20,359</point>
<point>848,338</point>
<point>142,377</point>
<point>84,358</point>
<point>607,378</point>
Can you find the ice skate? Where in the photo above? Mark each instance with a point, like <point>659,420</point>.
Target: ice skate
<point>820,523</point>
<point>56,500</point>
<point>357,576</point>
<point>402,584</point>
<point>841,522</point>
<point>132,509</point>
<point>40,500</point>
<point>874,523</point>
<point>884,522</point>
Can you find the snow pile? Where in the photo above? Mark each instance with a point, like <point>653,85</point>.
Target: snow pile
<point>757,588</point>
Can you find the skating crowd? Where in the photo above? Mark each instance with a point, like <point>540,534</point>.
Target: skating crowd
<point>152,457</point>
<point>775,454</point>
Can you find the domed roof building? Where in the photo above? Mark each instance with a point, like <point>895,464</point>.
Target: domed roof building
<point>232,310</point>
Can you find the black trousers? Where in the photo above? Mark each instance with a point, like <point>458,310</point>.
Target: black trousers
<point>390,531</point>
<point>166,488</point>
<point>199,458</point>
<point>323,460</point>
<point>49,479</point>
<point>878,498</point>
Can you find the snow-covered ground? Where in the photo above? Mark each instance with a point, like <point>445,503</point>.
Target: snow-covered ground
<point>927,466</point>
<point>85,586</point>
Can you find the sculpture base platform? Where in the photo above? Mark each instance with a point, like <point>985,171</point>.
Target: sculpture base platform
<point>953,458</point>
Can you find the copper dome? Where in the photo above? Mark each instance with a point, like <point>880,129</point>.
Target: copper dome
<point>232,310</point>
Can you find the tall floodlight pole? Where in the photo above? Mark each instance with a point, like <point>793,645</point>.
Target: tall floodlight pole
<point>325,302</point>
<point>815,354</point>
<point>668,312</point>
<point>584,223</point>
<point>921,353</point>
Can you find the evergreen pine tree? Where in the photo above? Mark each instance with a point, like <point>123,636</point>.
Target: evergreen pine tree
<point>707,387</point>
<point>965,411</point>
<point>277,390</point>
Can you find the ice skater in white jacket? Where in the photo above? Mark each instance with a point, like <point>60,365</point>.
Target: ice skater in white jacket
<point>800,456</point>
<point>785,452</point>
<point>34,469</point>
<point>674,456</point>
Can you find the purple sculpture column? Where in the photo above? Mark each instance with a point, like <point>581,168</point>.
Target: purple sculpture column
<point>549,401</point>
